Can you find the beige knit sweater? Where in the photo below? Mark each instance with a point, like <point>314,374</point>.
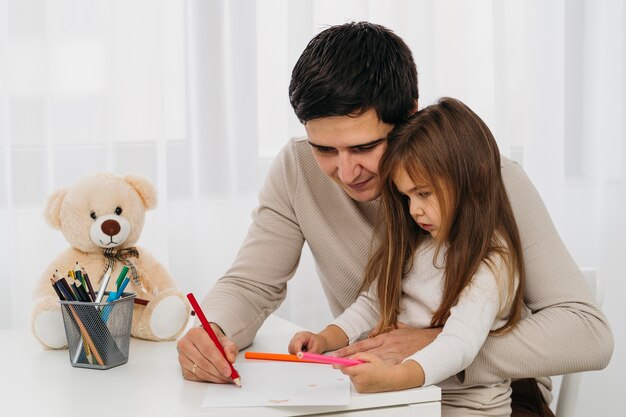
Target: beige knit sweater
<point>567,332</point>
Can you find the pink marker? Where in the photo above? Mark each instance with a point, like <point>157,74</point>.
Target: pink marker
<point>333,360</point>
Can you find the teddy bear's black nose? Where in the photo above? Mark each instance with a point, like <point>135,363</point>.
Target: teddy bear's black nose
<point>110,227</point>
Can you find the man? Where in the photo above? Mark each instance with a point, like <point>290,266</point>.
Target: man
<point>349,88</point>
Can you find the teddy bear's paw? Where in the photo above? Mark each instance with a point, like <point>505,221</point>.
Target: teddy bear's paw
<point>48,328</point>
<point>169,317</point>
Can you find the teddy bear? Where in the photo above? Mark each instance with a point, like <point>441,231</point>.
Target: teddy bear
<point>102,216</point>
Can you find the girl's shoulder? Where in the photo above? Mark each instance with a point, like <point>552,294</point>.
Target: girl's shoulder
<point>499,265</point>
<point>499,257</point>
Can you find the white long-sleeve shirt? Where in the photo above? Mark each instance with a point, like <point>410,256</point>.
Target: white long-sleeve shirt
<point>465,331</point>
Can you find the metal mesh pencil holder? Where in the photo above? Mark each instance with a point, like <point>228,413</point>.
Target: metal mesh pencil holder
<point>98,334</point>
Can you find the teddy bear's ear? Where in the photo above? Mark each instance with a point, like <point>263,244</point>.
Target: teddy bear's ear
<point>144,187</point>
<point>52,212</point>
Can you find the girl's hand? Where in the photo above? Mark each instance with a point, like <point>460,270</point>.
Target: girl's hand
<point>307,342</point>
<point>375,375</point>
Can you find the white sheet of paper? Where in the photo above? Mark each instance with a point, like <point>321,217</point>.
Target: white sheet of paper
<point>267,383</point>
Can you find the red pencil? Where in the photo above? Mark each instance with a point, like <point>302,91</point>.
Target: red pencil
<point>205,323</point>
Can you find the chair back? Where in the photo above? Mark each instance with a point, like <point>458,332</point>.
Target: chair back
<point>570,384</point>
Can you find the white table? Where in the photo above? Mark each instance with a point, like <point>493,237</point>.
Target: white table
<point>38,382</point>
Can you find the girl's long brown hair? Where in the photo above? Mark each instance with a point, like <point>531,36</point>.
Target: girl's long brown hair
<point>448,146</point>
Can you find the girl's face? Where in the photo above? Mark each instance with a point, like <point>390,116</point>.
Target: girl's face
<point>423,204</point>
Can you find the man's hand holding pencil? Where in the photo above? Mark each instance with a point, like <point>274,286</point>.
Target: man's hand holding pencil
<point>201,359</point>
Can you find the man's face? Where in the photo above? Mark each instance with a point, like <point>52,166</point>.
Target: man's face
<point>348,149</point>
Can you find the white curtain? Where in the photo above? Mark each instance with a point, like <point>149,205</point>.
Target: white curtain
<point>193,94</point>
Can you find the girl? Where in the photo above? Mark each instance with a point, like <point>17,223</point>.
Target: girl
<point>449,255</point>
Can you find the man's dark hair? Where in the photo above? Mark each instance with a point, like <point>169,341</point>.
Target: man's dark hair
<point>351,68</point>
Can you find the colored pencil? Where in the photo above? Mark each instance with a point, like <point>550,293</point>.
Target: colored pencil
<point>332,360</point>
<point>122,287</point>
<point>103,286</point>
<point>85,336</point>
<point>83,292</point>
<point>88,282</point>
<point>65,290</point>
<point>63,283</point>
<point>121,276</point>
<point>78,274</point>
<point>56,289</point>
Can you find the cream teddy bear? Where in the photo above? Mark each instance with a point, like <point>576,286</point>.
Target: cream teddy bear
<point>101,216</point>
